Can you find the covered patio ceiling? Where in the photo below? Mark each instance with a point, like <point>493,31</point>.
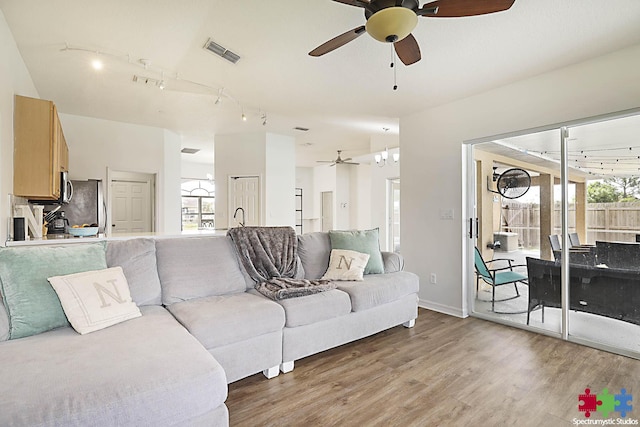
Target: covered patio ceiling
<point>598,149</point>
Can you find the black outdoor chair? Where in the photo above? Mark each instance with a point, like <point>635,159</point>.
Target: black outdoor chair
<point>498,276</point>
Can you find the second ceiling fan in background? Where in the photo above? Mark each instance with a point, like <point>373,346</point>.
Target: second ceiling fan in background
<point>392,21</point>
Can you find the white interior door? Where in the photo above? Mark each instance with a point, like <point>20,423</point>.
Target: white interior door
<point>131,207</point>
<point>327,210</point>
<point>244,192</point>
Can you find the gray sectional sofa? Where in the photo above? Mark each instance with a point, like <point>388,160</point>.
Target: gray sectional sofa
<point>202,326</point>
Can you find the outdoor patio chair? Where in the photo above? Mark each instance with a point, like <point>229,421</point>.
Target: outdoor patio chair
<point>574,240</point>
<point>498,276</point>
<point>556,247</point>
<point>578,254</point>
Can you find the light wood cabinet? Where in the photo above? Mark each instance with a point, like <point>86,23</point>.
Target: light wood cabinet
<point>40,150</point>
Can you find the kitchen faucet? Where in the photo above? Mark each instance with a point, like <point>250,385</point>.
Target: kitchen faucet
<point>236,212</point>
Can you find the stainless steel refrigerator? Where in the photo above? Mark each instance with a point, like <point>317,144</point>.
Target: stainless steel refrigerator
<point>87,205</point>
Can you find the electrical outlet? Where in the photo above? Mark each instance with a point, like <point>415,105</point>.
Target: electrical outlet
<point>433,279</point>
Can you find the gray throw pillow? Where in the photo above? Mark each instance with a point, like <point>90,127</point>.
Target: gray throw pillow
<point>363,241</point>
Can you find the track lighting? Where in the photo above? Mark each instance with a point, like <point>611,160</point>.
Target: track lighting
<point>162,85</point>
<point>97,64</point>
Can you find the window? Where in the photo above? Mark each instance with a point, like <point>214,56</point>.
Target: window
<point>198,203</point>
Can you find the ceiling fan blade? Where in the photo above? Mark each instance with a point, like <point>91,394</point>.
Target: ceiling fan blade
<point>347,159</point>
<point>457,8</point>
<point>408,50</point>
<point>325,161</point>
<point>337,42</point>
<point>356,3</point>
<point>350,163</point>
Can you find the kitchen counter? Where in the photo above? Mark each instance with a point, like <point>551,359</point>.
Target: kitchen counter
<point>65,239</point>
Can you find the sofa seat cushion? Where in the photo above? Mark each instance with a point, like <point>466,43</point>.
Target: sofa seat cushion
<point>221,320</point>
<point>315,308</point>
<point>147,371</point>
<point>379,289</point>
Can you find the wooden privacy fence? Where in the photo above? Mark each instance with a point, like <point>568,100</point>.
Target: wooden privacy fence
<point>613,222</point>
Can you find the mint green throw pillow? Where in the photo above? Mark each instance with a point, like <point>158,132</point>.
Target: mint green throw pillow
<point>363,241</point>
<point>32,304</point>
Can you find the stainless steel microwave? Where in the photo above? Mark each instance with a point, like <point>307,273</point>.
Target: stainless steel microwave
<point>66,192</point>
<point>66,188</point>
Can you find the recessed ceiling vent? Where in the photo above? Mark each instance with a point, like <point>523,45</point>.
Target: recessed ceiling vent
<point>189,150</point>
<point>221,51</point>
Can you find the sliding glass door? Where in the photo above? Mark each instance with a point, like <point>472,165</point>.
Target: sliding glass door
<point>605,279</point>
<point>517,199</point>
<point>554,231</point>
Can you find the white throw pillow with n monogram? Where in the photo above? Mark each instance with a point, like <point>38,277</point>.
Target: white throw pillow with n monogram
<point>94,300</point>
<point>346,265</point>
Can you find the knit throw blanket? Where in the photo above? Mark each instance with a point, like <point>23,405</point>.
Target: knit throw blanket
<point>269,254</point>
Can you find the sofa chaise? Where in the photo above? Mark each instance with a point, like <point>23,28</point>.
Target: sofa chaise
<point>202,326</point>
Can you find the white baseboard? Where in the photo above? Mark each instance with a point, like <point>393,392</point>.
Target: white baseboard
<point>441,308</point>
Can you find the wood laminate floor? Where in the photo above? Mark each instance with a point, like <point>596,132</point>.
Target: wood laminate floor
<point>445,371</point>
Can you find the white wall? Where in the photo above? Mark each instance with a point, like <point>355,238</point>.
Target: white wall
<point>280,180</point>
<point>361,190</point>
<point>342,197</point>
<point>193,170</point>
<point>324,179</point>
<point>14,80</point>
<point>236,154</point>
<point>96,144</point>
<point>269,156</point>
<point>170,213</point>
<point>432,156</point>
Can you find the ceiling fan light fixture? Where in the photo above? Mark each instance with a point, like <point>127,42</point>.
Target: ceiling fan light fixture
<point>391,24</point>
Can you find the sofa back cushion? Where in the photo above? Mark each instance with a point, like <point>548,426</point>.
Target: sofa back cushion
<point>4,320</point>
<point>32,304</point>
<point>137,257</point>
<point>314,250</point>
<point>363,241</point>
<point>197,267</point>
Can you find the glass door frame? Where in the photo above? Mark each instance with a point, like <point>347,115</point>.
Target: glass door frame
<point>470,227</point>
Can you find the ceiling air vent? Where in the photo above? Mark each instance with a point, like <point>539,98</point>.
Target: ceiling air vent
<point>221,51</point>
<point>190,150</point>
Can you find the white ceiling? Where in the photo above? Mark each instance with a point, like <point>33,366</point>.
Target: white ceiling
<point>344,97</point>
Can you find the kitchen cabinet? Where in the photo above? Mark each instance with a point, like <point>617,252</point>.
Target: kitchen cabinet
<point>40,149</point>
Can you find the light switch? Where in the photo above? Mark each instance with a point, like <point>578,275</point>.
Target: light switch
<point>446,214</point>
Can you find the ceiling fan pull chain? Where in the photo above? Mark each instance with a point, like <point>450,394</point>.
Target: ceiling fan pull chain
<point>393,65</point>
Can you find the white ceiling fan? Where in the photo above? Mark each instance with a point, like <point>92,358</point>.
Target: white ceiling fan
<point>338,161</point>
